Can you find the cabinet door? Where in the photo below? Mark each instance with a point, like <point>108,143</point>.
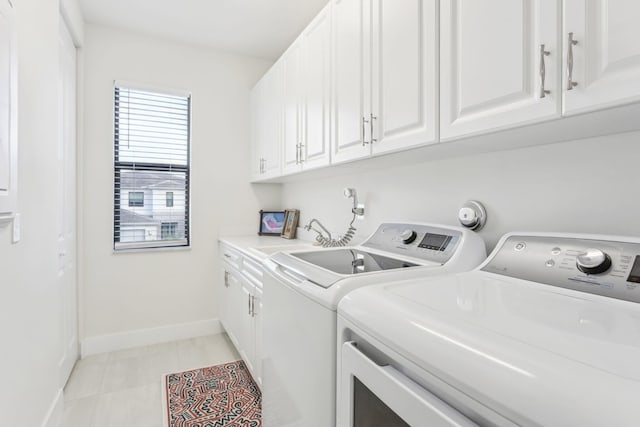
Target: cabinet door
<point>257,324</point>
<point>491,64</point>
<point>245,335</point>
<point>292,88</point>
<point>404,69</point>
<point>351,79</point>
<point>224,300</point>
<point>267,124</point>
<point>272,143</point>
<point>234,311</point>
<point>257,126</point>
<point>316,66</point>
<point>606,57</point>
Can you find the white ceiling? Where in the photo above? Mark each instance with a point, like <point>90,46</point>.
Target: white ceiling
<point>259,28</point>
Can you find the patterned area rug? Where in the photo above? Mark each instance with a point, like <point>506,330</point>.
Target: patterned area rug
<point>221,395</point>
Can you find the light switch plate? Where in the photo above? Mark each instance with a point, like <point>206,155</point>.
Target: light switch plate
<point>16,228</point>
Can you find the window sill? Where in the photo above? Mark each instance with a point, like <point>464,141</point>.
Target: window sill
<point>147,250</point>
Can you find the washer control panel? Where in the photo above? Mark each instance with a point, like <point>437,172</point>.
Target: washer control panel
<point>603,267</point>
<point>425,242</point>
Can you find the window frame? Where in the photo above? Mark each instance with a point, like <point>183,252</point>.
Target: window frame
<point>118,166</point>
<point>167,198</point>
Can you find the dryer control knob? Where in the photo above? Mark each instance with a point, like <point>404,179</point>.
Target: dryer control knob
<point>408,236</point>
<point>593,261</point>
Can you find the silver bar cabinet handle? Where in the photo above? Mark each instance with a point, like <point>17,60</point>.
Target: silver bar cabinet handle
<point>543,71</point>
<point>297,154</point>
<point>300,146</point>
<point>372,118</point>
<point>364,121</point>
<point>570,44</point>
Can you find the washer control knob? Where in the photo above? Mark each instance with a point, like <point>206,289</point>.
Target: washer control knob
<point>593,261</point>
<point>408,236</point>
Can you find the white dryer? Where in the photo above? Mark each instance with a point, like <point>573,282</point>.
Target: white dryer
<point>546,332</point>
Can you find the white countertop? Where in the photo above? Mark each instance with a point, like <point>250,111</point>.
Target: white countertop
<point>261,247</point>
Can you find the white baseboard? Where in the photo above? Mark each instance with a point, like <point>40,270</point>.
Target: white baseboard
<point>140,337</point>
<point>55,412</point>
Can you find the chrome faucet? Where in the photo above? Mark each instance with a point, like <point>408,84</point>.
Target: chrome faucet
<point>326,240</point>
<point>309,227</point>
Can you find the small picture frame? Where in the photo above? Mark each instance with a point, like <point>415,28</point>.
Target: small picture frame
<point>271,223</point>
<point>290,223</point>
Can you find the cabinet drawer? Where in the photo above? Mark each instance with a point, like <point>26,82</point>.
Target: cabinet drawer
<point>252,271</point>
<point>232,257</point>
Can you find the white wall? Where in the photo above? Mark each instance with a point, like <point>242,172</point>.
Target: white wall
<point>138,291</point>
<point>30,297</point>
<point>587,186</point>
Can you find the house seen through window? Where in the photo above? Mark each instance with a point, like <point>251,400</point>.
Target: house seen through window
<point>136,198</point>
<point>152,168</point>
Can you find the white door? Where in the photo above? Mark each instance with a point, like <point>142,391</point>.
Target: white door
<point>257,325</point>
<point>292,89</point>
<point>8,110</point>
<point>66,227</point>
<point>492,63</point>
<point>605,53</point>
<point>316,74</point>
<point>405,62</point>
<point>351,80</point>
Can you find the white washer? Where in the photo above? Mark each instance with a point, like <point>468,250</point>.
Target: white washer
<point>301,294</point>
<point>545,332</point>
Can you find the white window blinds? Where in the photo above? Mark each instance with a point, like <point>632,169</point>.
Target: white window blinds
<point>151,160</point>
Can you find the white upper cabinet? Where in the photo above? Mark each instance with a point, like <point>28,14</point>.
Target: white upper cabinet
<point>307,97</point>
<point>267,118</point>
<point>315,148</point>
<point>368,77</point>
<point>603,56</point>
<point>351,77</point>
<point>385,86</point>
<point>500,64</point>
<point>292,89</point>
<point>405,66</point>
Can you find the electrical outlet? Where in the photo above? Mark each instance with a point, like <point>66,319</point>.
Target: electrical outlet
<point>16,228</point>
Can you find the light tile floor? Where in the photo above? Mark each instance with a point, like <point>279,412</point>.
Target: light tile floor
<point>123,388</point>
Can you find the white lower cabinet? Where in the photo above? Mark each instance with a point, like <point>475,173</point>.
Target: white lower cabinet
<point>241,312</point>
<point>257,333</point>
